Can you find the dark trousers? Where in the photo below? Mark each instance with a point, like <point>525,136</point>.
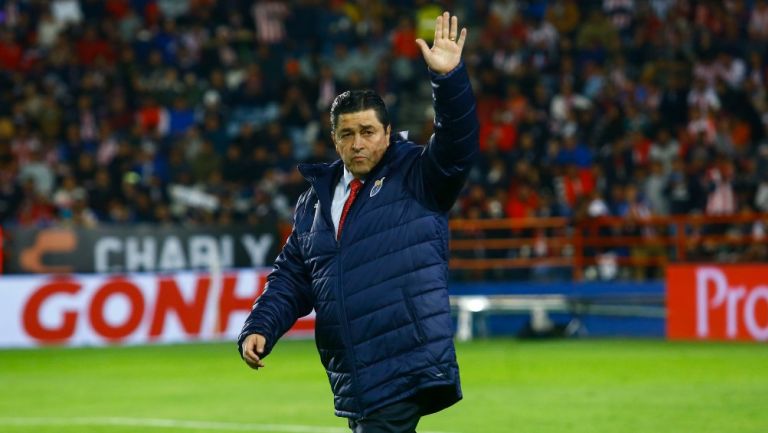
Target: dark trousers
<point>400,417</point>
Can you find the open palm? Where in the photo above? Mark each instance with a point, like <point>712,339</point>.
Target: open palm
<point>445,53</point>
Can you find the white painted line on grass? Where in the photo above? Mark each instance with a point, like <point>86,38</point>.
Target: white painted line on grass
<point>170,423</point>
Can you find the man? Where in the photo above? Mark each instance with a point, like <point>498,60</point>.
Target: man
<point>369,252</point>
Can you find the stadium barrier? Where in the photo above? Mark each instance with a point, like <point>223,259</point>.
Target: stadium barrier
<point>603,247</point>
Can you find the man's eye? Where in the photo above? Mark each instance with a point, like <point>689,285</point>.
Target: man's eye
<point>367,133</point>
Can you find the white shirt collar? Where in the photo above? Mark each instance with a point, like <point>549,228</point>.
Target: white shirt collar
<point>348,177</point>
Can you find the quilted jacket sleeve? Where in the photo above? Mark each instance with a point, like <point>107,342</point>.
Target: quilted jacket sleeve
<point>445,162</point>
<point>286,297</point>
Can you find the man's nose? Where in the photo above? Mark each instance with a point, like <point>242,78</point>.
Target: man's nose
<point>357,142</point>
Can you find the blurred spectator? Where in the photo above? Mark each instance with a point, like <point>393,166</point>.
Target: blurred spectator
<point>680,190</point>
<point>67,12</point>
<point>758,21</point>
<point>34,208</point>
<point>37,173</point>
<point>565,103</point>
<point>205,162</point>
<point>664,150</point>
<point>10,194</point>
<point>721,199</point>
<point>269,17</point>
<point>522,203</point>
<point>564,15</point>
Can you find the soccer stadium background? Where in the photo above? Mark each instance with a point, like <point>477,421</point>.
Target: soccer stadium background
<point>608,255</point>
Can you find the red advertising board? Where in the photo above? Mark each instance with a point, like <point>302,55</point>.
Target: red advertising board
<point>717,302</point>
<point>76,310</point>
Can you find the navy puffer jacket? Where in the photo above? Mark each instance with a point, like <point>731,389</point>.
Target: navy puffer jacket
<point>383,325</point>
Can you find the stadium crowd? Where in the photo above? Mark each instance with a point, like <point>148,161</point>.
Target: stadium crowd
<point>197,111</point>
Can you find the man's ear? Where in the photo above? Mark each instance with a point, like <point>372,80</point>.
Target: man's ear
<point>333,140</point>
<point>388,132</point>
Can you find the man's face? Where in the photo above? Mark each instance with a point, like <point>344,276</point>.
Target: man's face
<point>361,141</point>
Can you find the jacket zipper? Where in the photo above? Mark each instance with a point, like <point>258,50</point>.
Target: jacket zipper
<point>347,332</point>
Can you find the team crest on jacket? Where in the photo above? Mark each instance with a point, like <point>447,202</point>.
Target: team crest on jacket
<point>377,186</point>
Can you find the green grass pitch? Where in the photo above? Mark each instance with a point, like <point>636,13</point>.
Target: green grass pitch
<point>509,386</point>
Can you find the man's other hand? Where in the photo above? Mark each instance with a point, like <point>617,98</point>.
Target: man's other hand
<point>445,53</point>
<point>253,347</point>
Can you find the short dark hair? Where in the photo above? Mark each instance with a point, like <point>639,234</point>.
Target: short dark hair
<point>353,101</point>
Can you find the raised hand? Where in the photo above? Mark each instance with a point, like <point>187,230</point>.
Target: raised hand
<point>445,53</point>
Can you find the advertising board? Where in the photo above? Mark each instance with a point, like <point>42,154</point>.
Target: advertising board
<point>96,310</point>
<point>717,302</point>
<point>138,248</point>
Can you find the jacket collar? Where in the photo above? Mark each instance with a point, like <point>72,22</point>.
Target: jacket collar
<point>321,176</point>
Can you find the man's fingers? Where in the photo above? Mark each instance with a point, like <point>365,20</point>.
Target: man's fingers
<point>454,28</point>
<point>439,28</point>
<point>255,364</point>
<point>248,354</point>
<point>446,24</point>
<point>462,38</point>
<point>253,346</point>
<point>423,46</point>
<point>251,358</point>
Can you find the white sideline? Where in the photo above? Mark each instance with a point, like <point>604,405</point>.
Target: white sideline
<point>168,423</point>
<point>171,423</point>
